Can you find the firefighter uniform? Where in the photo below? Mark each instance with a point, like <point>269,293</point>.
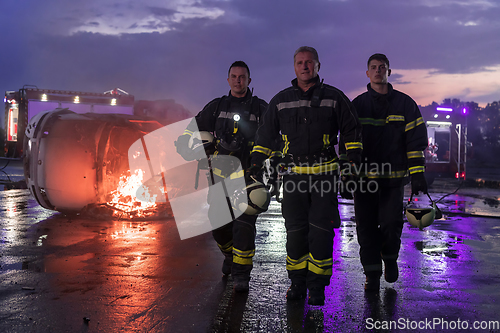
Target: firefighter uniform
<point>307,125</point>
<point>394,140</point>
<point>234,122</point>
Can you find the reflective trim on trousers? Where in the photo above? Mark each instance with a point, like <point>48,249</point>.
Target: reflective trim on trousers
<point>243,257</point>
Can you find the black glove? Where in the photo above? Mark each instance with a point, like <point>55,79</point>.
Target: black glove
<point>273,185</point>
<point>254,171</point>
<point>418,183</point>
<point>348,181</point>
<point>182,148</point>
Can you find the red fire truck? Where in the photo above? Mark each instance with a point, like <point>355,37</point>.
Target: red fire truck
<point>22,105</point>
<point>446,154</point>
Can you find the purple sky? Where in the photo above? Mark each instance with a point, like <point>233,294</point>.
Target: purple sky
<point>181,49</point>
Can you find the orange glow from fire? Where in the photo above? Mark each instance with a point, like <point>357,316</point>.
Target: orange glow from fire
<point>124,198</point>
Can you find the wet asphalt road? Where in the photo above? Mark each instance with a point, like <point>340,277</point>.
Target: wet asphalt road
<point>82,274</point>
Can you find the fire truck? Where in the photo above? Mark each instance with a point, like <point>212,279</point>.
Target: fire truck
<point>22,105</point>
<point>446,153</point>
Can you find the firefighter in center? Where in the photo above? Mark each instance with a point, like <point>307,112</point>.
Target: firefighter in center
<point>306,118</point>
<point>233,120</point>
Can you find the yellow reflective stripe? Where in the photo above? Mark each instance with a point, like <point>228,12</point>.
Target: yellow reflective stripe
<point>297,261</point>
<point>321,263</point>
<point>393,174</point>
<point>415,154</point>
<point>319,168</point>
<point>395,118</point>
<point>226,248</point>
<point>353,145</point>
<point>188,132</point>
<point>263,150</point>
<point>276,153</point>
<point>217,172</point>
<point>234,175</point>
<point>302,102</point>
<point>417,169</point>
<point>320,271</point>
<point>287,144</point>
<point>326,140</point>
<point>242,261</point>
<point>238,174</point>
<point>290,267</point>
<point>243,257</point>
<point>243,254</point>
<point>412,124</point>
<point>292,264</point>
<point>372,121</point>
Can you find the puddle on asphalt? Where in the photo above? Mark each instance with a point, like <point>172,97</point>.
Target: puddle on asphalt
<point>437,248</point>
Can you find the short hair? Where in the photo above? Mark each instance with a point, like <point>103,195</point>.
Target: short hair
<point>379,57</point>
<point>238,63</point>
<point>307,49</point>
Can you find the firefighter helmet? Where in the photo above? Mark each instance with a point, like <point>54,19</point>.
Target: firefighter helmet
<point>201,142</point>
<point>253,199</point>
<point>421,216</point>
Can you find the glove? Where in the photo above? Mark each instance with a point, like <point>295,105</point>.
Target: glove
<point>254,171</point>
<point>182,148</point>
<point>348,181</point>
<point>273,184</point>
<point>418,183</point>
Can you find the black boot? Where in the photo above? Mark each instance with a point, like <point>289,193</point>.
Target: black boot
<point>372,283</point>
<point>391,273</point>
<point>227,264</point>
<point>296,291</point>
<point>316,296</point>
<point>241,284</point>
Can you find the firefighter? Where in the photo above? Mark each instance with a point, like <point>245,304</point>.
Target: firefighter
<point>233,120</point>
<point>394,141</point>
<point>306,119</point>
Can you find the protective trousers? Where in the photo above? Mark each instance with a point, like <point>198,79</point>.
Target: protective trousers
<point>379,224</point>
<point>310,211</point>
<point>235,238</point>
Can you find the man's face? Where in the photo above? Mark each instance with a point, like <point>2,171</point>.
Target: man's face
<point>238,81</point>
<point>378,72</point>
<point>306,68</point>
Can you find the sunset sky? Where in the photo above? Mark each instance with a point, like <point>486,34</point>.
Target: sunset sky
<point>181,49</point>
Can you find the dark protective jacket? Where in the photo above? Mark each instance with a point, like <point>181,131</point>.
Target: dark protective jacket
<point>394,135</point>
<point>232,137</point>
<point>307,124</point>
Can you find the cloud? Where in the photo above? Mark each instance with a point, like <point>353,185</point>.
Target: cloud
<point>426,86</point>
<point>181,49</point>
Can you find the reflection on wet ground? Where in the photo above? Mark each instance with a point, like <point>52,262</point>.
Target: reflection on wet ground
<point>136,275</point>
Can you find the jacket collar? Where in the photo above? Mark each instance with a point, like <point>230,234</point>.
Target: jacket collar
<point>310,90</point>
<point>377,95</point>
<point>244,99</point>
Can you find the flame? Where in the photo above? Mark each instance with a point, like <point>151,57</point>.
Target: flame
<point>125,199</point>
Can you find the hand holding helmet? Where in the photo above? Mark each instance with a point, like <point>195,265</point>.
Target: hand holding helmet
<point>418,183</point>
<point>253,172</point>
<point>195,147</point>
<point>253,199</point>
<point>181,145</point>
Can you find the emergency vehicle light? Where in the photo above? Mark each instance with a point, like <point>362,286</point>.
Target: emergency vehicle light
<point>44,97</point>
<point>439,108</point>
<point>113,101</point>
<point>76,100</point>
<point>439,123</point>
